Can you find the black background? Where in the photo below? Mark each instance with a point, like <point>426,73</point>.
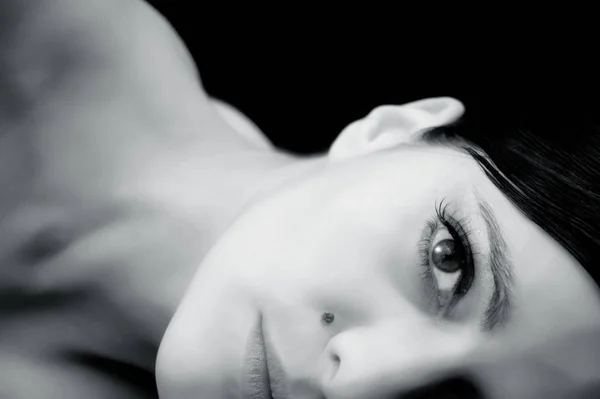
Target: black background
<point>302,75</point>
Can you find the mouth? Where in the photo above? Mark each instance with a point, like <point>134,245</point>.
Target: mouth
<point>256,381</point>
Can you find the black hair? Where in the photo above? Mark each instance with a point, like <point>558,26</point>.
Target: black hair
<point>546,161</point>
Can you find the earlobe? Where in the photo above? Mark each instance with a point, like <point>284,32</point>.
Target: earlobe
<point>388,126</point>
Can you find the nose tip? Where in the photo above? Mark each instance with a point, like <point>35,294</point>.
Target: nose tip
<point>349,374</point>
<point>378,362</point>
<point>345,373</point>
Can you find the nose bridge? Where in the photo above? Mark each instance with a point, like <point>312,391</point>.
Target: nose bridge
<point>381,360</point>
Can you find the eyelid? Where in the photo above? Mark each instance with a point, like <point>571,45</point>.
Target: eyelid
<point>441,234</point>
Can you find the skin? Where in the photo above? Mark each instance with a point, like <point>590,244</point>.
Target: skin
<point>352,253</point>
<point>117,176</point>
<point>152,201</point>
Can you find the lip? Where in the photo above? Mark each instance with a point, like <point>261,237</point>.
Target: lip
<point>256,381</point>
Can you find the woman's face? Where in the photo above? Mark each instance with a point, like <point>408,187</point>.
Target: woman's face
<point>417,255</point>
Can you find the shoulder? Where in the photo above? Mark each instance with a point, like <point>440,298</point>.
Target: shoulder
<point>108,70</point>
<point>103,49</point>
<point>242,124</point>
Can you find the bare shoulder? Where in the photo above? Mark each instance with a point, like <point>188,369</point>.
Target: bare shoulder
<point>111,63</point>
<point>114,29</point>
<point>100,113</point>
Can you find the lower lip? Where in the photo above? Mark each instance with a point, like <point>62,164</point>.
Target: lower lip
<point>255,383</point>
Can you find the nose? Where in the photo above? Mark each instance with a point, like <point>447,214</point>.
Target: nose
<point>390,360</point>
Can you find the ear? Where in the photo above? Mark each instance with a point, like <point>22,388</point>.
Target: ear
<point>388,126</point>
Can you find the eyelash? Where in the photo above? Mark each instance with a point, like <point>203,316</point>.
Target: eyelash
<point>461,236</point>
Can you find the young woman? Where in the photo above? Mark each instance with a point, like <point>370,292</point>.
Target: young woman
<point>402,257</point>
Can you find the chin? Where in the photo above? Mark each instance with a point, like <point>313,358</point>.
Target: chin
<point>205,350</point>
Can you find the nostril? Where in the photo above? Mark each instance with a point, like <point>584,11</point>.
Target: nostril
<point>333,366</point>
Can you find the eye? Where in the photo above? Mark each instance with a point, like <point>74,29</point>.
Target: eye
<point>446,258</point>
<point>446,263</point>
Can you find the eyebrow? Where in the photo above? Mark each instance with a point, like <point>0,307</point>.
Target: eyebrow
<point>499,305</point>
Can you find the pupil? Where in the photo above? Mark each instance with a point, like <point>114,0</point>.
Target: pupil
<point>446,257</point>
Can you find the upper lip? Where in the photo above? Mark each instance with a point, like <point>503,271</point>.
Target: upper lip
<point>265,377</point>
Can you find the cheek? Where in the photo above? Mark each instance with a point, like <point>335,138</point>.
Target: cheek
<point>360,269</point>
<point>357,281</point>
